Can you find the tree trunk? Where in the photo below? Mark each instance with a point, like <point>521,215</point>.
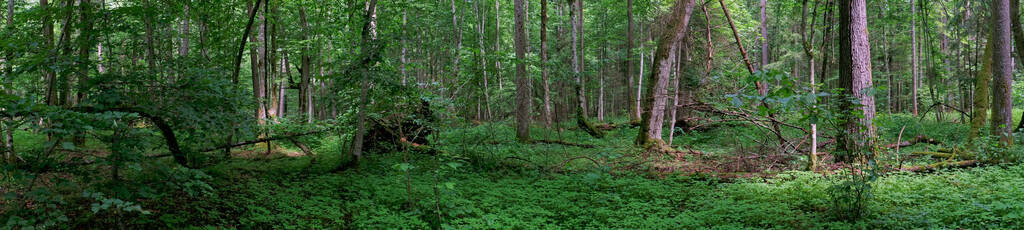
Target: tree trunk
<point>405,45</point>
<point>523,97</point>
<point>86,37</point>
<point>675,94</point>
<point>369,58</point>
<point>48,74</point>
<point>457,36</point>
<point>258,72</point>
<point>1018,38</point>
<point>855,77</point>
<point>483,60</point>
<point>915,74</point>
<point>183,32</point>
<point>305,87</point>
<point>982,84</point>
<point>544,62</point>
<point>634,112</point>
<point>497,45</point>
<point>654,103</point>
<point>1002,73</point>
<point>245,37</point>
<point>764,39</point>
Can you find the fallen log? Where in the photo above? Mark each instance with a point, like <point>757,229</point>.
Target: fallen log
<point>944,164</point>
<point>917,140</point>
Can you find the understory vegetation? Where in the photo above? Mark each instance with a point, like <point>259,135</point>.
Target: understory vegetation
<point>484,179</point>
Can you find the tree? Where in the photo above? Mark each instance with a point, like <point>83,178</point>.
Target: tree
<point>982,88</point>
<point>1002,72</point>
<point>855,78</point>
<point>634,112</point>
<point>368,59</point>
<point>764,37</point>
<point>544,62</point>
<point>653,115</point>
<point>913,55</point>
<point>1018,40</point>
<point>305,89</point>
<point>523,97</point>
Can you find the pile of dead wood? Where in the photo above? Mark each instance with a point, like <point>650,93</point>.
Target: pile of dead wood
<point>401,128</point>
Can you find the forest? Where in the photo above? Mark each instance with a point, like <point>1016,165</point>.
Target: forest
<point>511,114</point>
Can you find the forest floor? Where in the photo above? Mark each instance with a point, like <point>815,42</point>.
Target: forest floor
<point>482,178</point>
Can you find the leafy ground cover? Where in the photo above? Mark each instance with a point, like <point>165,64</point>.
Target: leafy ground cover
<point>480,179</point>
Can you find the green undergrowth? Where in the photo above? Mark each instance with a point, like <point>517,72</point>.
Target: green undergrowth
<point>373,197</point>
<point>483,179</point>
<point>479,177</point>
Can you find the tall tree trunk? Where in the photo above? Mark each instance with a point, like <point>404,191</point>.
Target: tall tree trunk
<point>245,37</point>
<point>258,73</point>
<point>457,36</point>
<point>808,41</point>
<point>676,91</point>
<point>523,97</point>
<point>1002,72</point>
<point>982,84</point>
<point>497,45</point>
<point>87,38</point>
<point>405,45</point>
<point>369,56</point>
<point>654,103</point>
<point>305,87</point>
<point>764,36</point>
<point>582,61</point>
<point>855,77</point>
<point>544,62</point>
<point>915,74</point>
<point>1018,38</point>
<point>640,81</point>
<point>483,60</point>
<point>634,112</point>
<point>184,32</point>
<point>48,74</point>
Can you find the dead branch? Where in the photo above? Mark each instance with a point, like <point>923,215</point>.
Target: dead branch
<point>561,142</point>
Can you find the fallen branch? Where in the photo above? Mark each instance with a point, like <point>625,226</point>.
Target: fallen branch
<point>305,149</point>
<point>260,140</point>
<point>561,142</point>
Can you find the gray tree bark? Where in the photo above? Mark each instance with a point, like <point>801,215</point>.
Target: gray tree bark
<point>653,115</point>
<point>1002,72</point>
<point>915,74</point>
